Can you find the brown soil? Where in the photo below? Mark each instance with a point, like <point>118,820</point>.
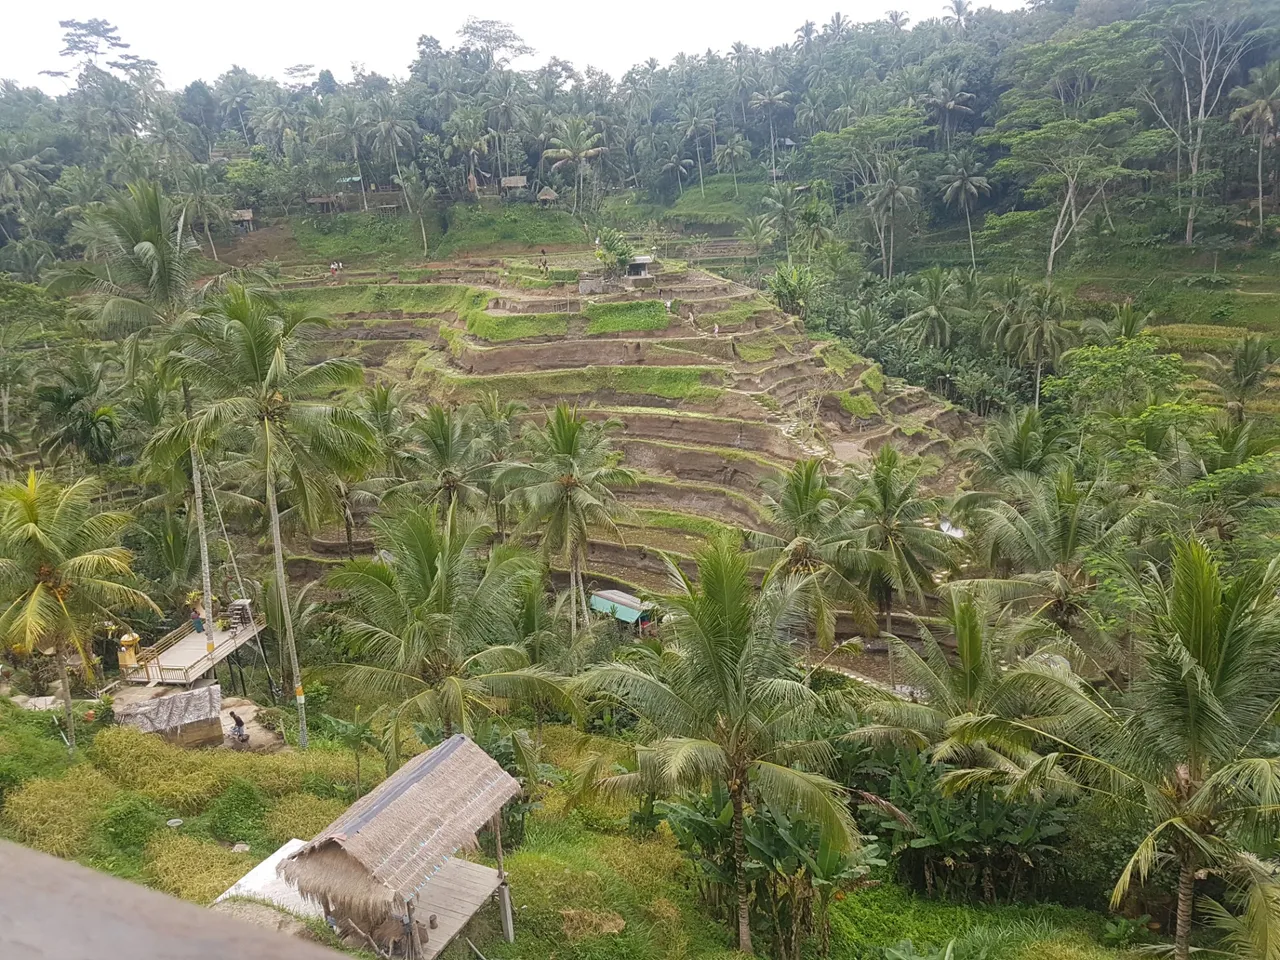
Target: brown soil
<point>266,243</point>
<point>699,465</point>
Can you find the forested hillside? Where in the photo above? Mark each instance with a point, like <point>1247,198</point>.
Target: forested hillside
<point>915,383</point>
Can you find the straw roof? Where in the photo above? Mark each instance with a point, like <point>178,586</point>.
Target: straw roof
<point>390,843</point>
<point>546,193</point>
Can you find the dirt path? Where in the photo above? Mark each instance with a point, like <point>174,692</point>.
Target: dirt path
<point>261,740</point>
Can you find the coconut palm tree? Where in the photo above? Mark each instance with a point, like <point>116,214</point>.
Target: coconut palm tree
<point>566,487</point>
<point>934,305</point>
<point>62,573</point>
<point>951,689</point>
<point>1018,443</point>
<point>147,285</point>
<point>813,540</point>
<point>1259,112</point>
<point>962,184</point>
<point>389,133</point>
<point>444,452</point>
<point>693,120</point>
<point>770,102</point>
<point>250,356</point>
<point>678,166</point>
<point>948,104</point>
<point>349,128</point>
<point>958,14</point>
<point>895,190</point>
<point>760,233</point>
<point>203,199</point>
<point>1125,323</point>
<point>1242,376</point>
<point>1043,531</point>
<point>576,146</point>
<point>1037,331</point>
<point>418,195</point>
<point>726,706</point>
<point>900,524</point>
<point>433,617</point>
<point>1191,753</point>
<point>732,153</point>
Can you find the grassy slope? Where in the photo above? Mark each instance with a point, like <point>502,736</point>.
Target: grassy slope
<point>474,227</point>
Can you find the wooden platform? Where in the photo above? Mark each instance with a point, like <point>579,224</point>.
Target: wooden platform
<point>183,657</point>
<point>454,894</point>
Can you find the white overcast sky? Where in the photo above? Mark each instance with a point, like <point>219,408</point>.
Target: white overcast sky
<point>199,41</point>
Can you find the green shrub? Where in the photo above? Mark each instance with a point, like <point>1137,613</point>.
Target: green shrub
<point>630,315</point>
<point>672,383</point>
<point>352,237</point>
<point>872,379</point>
<point>300,815</point>
<point>58,816</point>
<point>838,357</point>
<point>858,405</point>
<point>130,821</point>
<point>196,870</point>
<point>29,747</point>
<point>237,815</point>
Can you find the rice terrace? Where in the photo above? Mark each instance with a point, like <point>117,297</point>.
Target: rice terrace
<point>811,501</point>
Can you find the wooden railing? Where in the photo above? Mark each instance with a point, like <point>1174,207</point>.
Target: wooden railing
<point>152,671</point>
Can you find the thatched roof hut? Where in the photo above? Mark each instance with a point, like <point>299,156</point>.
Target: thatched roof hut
<point>547,196</point>
<point>379,858</point>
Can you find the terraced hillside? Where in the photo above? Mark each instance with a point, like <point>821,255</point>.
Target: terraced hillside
<point>716,391</point>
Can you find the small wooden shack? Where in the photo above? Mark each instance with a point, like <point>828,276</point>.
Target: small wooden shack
<point>386,871</point>
<point>508,184</point>
<point>242,220</point>
<point>547,196</point>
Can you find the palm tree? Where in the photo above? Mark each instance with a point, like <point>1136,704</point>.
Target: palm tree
<point>962,184</point>
<point>1125,323</point>
<point>148,282</point>
<point>726,705</point>
<point>576,146</point>
<point>1259,111</point>
<point>1037,332</point>
<point>433,618</point>
<point>1017,443</point>
<point>62,572</point>
<point>236,94</point>
<point>895,190</point>
<point>678,166</point>
<point>203,200</point>
<point>784,207</point>
<point>950,690</point>
<point>760,233</point>
<point>349,126</point>
<point>734,151</point>
<point>693,121</point>
<point>1243,376</point>
<point>897,522</point>
<point>566,487</point>
<point>388,132</point>
<point>250,356</point>
<point>356,735</point>
<point>958,14</point>
<point>417,195</point>
<point>933,305</point>
<point>1191,753</point>
<point>771,101</point>
<point>813,540</point>
<point>948,104</point>
<point>444,450</point>
<point>1044,531</point>
<point>497,422</point>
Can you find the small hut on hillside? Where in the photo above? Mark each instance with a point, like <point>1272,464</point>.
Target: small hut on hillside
<point>547,196</point>
<point>385,870</point>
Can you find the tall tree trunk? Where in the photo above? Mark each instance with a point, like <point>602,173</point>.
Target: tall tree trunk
<point>422,224</point>
<point>697,144</point>
<point>206,582</point>
<point>773,159</point>
<point>740,869</point>
<point>355,155</point>
<point>349,524</point>
<point>733,165</point>
<point>207,236</point>
<point>891,238</point>
<point>888,629</point>
<point>973,257</point>
<point>282,589</point>
<point>243,128</point>
<point>69,715</point>
<point>395,155</point>
<point>1259,179</point>
<point>1039,367</point>
<point>573,600</point>
<point>357,770</point>
<point>1186,898</point>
